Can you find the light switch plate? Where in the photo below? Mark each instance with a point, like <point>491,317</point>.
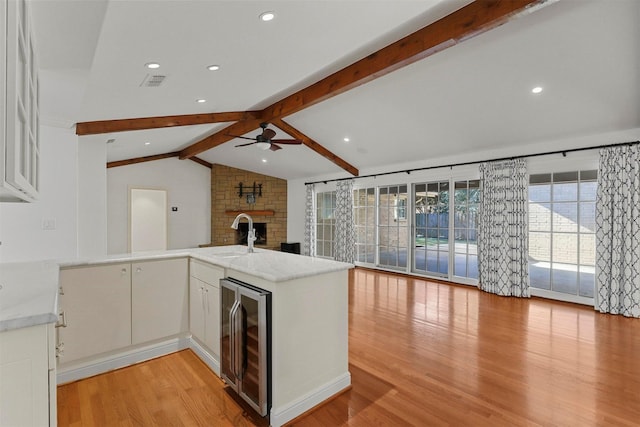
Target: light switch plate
<point>48,223</point>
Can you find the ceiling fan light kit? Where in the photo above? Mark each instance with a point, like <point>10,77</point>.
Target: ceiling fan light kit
<point>264,142</point>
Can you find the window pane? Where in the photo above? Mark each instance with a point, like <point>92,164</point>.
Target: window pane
<point>565,217</point>
<point>443,263</point>
<point>540,217</point>
<point>588,249</point>
<point>587,281</point>
<point>473,267</point>
<point>541,178</point>
<point>539,247</point>
<point>588,190</point>
<point>460,266</point>
<point>565,176</point>
<point>565,278</point>
<point>587,217</point>
<point>540,193</point>
<point>588,175</point>
<point>564,248</point>
<point>565,192</point>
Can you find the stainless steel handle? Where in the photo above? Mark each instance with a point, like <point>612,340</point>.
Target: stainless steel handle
<point>206,300</point>
<point>202,297</point>
<point>63,322</point>
<point>123,271</point>
<point>232,336</point>
<point>239,349</point>
<point>138,270</point>
<point>60,291</point>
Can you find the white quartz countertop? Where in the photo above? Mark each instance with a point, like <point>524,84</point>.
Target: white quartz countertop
<point>267,264</point>
<point>29,293</point>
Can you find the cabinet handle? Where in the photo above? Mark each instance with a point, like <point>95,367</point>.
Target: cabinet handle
<point>206,298</point>
<point>60,350</point>
<point>62,323</point>
<point>123,271</point>
<point>138,270</point>
<point>61,291</point>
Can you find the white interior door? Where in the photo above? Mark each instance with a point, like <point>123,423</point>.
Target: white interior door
<point>147,220</point>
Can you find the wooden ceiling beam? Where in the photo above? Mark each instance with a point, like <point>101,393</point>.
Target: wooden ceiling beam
<point>463,24</point>
<point>286,127</point>
<point>202,162</point>
<point>142,159</point>
<point>239,128</point>
<point>143,123</point>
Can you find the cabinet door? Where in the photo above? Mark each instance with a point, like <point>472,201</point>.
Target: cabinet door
<point>212,318</point>
<point>97,306</point>
<point>160,299</point>
<point>24,377</point>
<point>196,307</point>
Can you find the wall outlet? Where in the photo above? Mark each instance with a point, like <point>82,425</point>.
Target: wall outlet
<point>48,223</point>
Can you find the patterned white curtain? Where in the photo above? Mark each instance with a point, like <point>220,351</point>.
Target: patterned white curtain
<point>618,231</point>
<point>503,230</point>
<point>310,222</point>
<point>344,243</point>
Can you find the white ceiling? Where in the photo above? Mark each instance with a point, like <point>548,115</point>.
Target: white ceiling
<point>470,98</point>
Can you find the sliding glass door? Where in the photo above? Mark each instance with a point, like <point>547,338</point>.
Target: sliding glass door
<point>428,228</point>
<point>444,228</point>
<point>466,201</point>
<point>393,232</point>
<point>431,228</point>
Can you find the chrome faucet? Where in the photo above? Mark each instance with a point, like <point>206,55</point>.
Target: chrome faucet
<point>251,234</point>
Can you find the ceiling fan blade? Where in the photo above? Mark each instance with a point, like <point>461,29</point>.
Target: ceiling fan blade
<point>287,141</point>
<point>268,133</point>
<point>242,137</point>
<point>274,147</point>
<point>244,145</point>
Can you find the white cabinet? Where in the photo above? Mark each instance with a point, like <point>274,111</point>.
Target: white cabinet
<point>96,302</point>
<point>159,299</point>
<point>204,312</point>
<point>27,377</point>
<point>19,111</point>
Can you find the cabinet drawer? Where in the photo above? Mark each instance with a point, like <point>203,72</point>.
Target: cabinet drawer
<point>208,273</point>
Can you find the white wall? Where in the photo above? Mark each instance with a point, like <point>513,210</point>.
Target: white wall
<point>188,185</point>
<point>92,197</point>
<point>21,224</point>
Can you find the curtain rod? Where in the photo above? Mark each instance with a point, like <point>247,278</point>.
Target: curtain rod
<point>475,162</point>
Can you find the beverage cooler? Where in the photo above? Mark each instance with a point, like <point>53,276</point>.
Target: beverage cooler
<point>245,342</point>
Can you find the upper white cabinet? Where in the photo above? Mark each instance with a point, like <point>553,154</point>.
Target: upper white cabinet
<point>19,113</point>
<point>159,299</point>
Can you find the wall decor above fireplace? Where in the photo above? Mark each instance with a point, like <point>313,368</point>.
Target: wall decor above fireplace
<point>251,192</point>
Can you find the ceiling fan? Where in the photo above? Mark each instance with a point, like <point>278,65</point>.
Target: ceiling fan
<point>264,141</point>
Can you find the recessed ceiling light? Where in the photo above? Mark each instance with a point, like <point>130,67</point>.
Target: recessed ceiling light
<point>152,65</point>
<point>213,67</point>
<point>346,139</point>
<point>201,101</point>
<point>536,89</point>
<point>267,16</point>
<point>147,143</point>
<point>264,160</point>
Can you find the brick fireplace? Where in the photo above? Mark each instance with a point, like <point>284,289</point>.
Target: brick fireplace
<point>269,209</point>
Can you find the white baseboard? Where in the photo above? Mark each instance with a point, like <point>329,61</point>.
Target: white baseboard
<point>205,356</point>
<point>120,360</point>
<point>280,416</point>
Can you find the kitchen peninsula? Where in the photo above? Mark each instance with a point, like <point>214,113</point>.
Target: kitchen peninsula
<point>309,319</point>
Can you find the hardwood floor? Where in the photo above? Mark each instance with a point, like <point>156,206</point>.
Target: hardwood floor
<point>421,353</point>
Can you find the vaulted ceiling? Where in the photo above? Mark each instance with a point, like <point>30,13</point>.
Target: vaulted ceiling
<point>471,97</point>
